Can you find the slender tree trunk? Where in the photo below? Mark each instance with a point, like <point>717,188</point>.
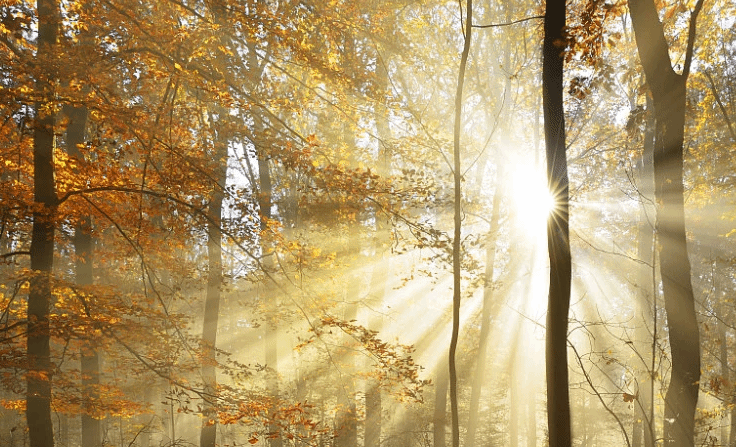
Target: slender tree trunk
<point>514,400</point>
<point>531,422</point>
<point>38,379</point>
<point>373,398</point>
<point>643,425</point>
<point>83,246</point>
<point>208,434</point>
<point>373,419</point>
<point>346,419</point>
<point>558,242</point>
<point>456,253</point>
<point>668,90</point>
<point>722,340</point>
<point>486,313</point>
<point>439,421</point>
<point>270,329</point>
<point>531,440</point>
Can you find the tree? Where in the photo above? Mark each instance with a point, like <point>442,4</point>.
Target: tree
<point>208,434</point>
<point>83,246</point>
<point>456,253</point>
<point>38,379</point>
<point>558,233</point>
<point>668,90</point>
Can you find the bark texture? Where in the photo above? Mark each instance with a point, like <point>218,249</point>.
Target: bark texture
<point>38,380</point>
<point>558,242</point>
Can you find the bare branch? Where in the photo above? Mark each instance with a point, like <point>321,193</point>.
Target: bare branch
<point>513,22</point>
<point>717,97</point>
<point>15,253</point>
<point>691,39</point>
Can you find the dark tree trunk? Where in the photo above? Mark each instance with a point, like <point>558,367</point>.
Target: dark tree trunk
<point>558,242</point>
<point>38,380</point>
<point>668,92</point>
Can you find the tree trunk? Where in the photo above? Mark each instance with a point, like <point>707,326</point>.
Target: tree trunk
<point>439,420</point>
<point>486,313</point>
<point>722,341</point>
<point>83,246</point>
<point>643,425</point>
<point>373,414</point>
<point>558,242</point>
<point>38,379</point>
<point>208,434</point>
<point>270,329</point>
<point>456,252</point>
<point>373,399</point>
<point>668,92</point>
<point>531,422</point>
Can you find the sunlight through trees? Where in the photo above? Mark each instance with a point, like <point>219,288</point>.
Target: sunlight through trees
<point>242,222</point>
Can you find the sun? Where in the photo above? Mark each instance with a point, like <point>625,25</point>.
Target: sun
<point>531,199</point>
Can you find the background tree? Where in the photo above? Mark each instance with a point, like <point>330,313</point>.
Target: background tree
<point>38,379</point>
<point>669,96</point>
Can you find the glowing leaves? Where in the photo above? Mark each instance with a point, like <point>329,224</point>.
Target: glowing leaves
<point>586,34</point>
<point>18,405</point>
<point>629,397</point>
<point>395,368</point>
<point>279,418</point>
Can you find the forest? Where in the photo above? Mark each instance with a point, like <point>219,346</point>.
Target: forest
<point>393,223</point>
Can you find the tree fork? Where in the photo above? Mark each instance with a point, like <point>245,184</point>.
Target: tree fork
<point>668,90</point>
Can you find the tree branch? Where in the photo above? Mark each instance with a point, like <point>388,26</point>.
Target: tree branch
<point>720,105</point>
<point>14,253</point>
<point>513,22</point>
<point>691,39</point>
